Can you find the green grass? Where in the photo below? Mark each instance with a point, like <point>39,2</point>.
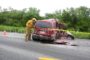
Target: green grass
<point>12,29</point>
<point>81,35</point>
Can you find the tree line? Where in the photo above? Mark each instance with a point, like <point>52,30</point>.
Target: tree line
<point>77,19</point>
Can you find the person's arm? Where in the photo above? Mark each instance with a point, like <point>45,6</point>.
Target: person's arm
<point>29,23</point>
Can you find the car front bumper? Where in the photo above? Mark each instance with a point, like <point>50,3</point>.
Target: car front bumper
<point>41,37</point>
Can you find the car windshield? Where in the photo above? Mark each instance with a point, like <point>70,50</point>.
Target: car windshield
<point>43,24</point>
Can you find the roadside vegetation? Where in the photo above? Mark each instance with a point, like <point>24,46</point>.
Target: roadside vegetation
<point>12,29</point>
<point>76,19</point>
<point>81,35</point>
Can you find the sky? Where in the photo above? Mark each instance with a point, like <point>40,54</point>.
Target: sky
<point>45,6</point>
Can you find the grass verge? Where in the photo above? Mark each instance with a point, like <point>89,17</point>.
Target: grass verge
<point>12,29</point>
<point>81,35</point>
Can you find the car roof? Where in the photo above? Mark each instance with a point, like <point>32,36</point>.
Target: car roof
<point>48,20</point>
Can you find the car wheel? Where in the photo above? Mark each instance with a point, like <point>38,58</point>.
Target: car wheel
<point>34,38</point>
<point>70,37</point>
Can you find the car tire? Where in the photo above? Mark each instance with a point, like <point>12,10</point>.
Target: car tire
<point>34,38</point>
<point>70,37</point>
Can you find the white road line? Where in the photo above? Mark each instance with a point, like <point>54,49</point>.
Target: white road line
<point>12,36</point>
<point>22,51</point>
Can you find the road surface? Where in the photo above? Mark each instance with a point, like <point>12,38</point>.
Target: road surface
<point>13,47</point>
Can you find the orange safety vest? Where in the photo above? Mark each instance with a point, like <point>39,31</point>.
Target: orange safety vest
<point>29,24</point>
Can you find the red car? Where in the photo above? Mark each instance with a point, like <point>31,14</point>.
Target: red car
<point>45,31</point>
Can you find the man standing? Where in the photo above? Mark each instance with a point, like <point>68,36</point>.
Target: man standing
<point>29,27</point>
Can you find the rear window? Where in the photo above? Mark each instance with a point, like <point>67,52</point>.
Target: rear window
<point>43,24</point>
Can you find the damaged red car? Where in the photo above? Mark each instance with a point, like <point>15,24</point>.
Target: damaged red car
<point>46,31</point>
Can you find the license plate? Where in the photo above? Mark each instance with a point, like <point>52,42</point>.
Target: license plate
<point>42,32</point>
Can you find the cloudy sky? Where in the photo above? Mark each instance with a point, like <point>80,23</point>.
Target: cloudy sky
<point>45,6</point>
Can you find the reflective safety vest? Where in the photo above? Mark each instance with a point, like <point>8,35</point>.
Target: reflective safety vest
<point>29,24</point>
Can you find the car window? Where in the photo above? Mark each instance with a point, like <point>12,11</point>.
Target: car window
<point>43,24</point>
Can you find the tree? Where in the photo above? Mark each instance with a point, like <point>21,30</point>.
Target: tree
<point>83,14</point>
<point>30,13</point>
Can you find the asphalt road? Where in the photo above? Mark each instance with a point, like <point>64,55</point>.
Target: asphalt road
<point>13,47</point>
